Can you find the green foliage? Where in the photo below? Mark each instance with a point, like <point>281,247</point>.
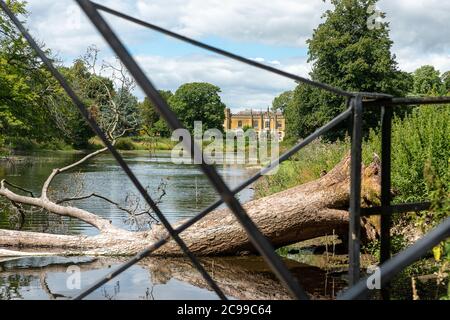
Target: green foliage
<point>446,81</point>
<point>347,55</point>
<point>420,153</point>
<point>151,120</point>
<point>22,81</point>
<point>281,102</point>
<point>129,111</point>
<point>427,81</point>
<point>125,144</point>
<point>398,243</point>
<point>199,101</point>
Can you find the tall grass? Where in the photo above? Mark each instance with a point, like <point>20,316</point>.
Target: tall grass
<point>306,165</point>
<point>420,152</point>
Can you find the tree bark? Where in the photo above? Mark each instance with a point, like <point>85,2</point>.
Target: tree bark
<point>300,213</point>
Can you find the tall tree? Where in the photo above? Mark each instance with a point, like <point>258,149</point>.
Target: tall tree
<point>346,53</point>
<point>23,84</point>
<point>446,81</point>
<point>199,101</point>
<point>427,81</point>
<point>151,120</point>
<point>281,102</point>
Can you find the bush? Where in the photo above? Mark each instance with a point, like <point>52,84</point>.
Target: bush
<point>420,152</point>
<point>21,143</point>
<point>125,144</point>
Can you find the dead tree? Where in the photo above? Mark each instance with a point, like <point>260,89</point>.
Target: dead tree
<point>303,212</point>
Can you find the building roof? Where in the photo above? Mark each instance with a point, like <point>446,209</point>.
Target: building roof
<point>249,112</point>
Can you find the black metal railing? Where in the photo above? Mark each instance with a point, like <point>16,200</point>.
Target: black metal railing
<point>356,103</point>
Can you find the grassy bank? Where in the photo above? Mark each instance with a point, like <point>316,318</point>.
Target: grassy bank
<point>23,144</point>
<point>140,143</point>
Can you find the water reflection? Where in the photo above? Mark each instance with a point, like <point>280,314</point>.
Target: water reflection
<point>188,192</point>
<point>187,189</point>
<point>158,278</point>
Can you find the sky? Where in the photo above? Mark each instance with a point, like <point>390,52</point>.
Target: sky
<point>272,32</point>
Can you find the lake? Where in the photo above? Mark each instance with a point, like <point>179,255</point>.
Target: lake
<point>187,192</point>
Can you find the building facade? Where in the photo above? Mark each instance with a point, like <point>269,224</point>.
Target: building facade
<point>266,121</point>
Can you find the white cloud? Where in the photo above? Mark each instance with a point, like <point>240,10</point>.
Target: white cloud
<point>410,62</point>
<point>420,30</point>
<point>421,25</point>
<point>289,22</point>
<point>242,86</point>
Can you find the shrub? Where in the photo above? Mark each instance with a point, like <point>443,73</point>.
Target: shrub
<point>125,144</point>
<point>420,152</point>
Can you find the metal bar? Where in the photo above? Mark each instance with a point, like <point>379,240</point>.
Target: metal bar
<point>403,259</point>
<point>147,252</point>
<point>407,101</point>
<point>225,53</point>
<point>386,221</point>
<point>396,208</point>
<point>263,246</point>
<point>355,193</point>
<point>82,108</point>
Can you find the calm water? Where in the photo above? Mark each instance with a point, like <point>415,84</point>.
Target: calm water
<point>187,192</point>
<point>187,189</point>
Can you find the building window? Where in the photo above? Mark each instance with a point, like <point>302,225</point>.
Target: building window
<point>278,124</point>
<point>255,124</point>
<point>268,124</point>
<point>239,124</point>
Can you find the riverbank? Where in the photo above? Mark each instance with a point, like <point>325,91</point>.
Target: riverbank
<point>22,145</point>
<point>420,172</point>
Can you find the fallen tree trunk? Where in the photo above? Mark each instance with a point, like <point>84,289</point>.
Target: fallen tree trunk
<point>303,212</point>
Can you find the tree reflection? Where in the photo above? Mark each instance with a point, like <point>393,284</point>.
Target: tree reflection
<point>239,277</point>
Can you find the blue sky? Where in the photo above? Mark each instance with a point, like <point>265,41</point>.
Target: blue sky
<point>272,32</point>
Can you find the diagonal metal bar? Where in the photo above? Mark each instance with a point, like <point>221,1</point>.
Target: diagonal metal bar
<point>403,259</point>
<point>258,240</point>
<point>147,252</point>
<point>82,108</point>
<point>228,54</point>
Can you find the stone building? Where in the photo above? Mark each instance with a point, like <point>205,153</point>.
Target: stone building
<point>267,121</point>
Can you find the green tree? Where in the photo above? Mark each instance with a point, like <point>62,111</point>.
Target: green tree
<point>347,54</point>
<point>129,111</point>
<point>151,121</point>
<point>427,81</point>
<point>446,81</point>
<point>281,102</point>
<point>199,101</point>
<point>23,84</point>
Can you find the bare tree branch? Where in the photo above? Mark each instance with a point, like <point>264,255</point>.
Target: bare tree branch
<point>118,206</point>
